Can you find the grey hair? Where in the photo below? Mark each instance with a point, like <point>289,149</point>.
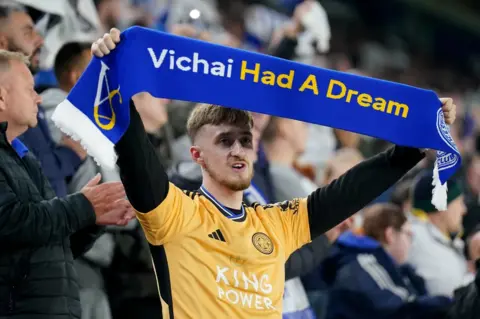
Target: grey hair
<point>7,7</point>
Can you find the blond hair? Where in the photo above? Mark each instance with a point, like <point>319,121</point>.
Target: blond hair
<point>7,56</point>
<point>209,114</point>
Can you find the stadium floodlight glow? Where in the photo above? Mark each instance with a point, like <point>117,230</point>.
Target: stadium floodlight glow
<point>194,14</point>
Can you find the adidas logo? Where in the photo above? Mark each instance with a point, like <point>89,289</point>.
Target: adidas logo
<point>217,235</point>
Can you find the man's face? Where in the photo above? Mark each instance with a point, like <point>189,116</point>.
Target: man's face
<point>260,122</point>
<point>453,216</point>
<point>400,243</point>
<point>82,64</point>
<point>21,36</point>
<point>473,175</point>
<point>21,99</point>
<point>226,154</point>
<point>295,133</point>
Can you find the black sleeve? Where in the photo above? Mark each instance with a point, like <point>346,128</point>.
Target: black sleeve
<point>466,303</point>
<point>38,223</point>
<point>83,240</point>
<point>142,174</point>
<point>330,205</point>
<point>307,258</point>
<point>286,48</point>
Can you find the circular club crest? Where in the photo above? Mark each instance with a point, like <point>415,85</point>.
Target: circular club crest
<point>263,243</point>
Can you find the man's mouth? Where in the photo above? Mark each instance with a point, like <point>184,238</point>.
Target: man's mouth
<point>239,166</point>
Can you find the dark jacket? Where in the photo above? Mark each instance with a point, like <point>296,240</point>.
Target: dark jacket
<point>40,235</point>
<point>365,282</point>
<point>467,300</point>
<point>59,163</point>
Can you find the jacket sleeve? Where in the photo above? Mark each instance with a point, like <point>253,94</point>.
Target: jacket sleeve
<point>307,258</point>
<point>466,303</point>
<point>286,48</point>
<point>38,223</point>
<point>367,291</point>
<point>330,205</point>
<point>83,240</point>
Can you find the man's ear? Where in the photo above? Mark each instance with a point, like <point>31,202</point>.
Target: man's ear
<point>196,154</point>
<point>3,98</point>
<point>73,76</point>
<point>389,233</point>
<point>3,42</point>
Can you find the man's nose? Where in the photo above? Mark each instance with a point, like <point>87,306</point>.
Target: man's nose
<point>38,40</point>
<point>38,100</point>
<point>237,149</point>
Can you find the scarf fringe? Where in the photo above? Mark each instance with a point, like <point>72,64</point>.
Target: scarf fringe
<point>79,127</point>
<point>439,192</point>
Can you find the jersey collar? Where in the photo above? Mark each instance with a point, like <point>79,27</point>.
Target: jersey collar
<point>227,212</point>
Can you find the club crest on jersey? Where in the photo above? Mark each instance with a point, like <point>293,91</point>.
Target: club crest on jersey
<point>263,243</point>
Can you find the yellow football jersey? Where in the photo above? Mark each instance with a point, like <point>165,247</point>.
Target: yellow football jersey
<point>211,263</point>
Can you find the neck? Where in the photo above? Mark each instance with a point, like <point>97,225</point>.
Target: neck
<point>13,132</point>
<point>226,197</point>
<point>389,252</point>
<point>437,222</point>
<point>280,151</point>
<point>65,87</point>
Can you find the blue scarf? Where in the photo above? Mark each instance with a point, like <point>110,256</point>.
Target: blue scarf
<point>97,109</point>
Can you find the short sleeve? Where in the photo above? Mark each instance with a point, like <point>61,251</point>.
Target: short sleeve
<point>175,216</point>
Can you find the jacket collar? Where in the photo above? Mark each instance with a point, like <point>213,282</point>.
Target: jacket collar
<point>17,145</point>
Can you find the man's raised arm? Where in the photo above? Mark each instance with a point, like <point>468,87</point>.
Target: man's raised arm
<point>143,176</point>
<point>332,204</point>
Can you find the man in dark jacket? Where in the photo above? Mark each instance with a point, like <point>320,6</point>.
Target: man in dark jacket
<point>367,277</point>
<point>40,234</point>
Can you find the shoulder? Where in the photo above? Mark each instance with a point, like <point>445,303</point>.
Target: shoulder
<point>191,194</point>
<point>285,206</point>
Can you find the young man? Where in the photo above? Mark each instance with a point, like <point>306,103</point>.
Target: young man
<point>366,273</point>
<point>213,254</point>
<point>437,237</point>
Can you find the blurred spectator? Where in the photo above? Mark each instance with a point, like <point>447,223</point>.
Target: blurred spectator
<point>473,249</point>
<point>284,140</point>
<point>366,276</point>
<point>437,251</point>
<point>58,162</point>
<point>70,62</point>
<point>467,298</point>
<point>472,191</point>
<point>18,33</point>
<point>401,195</point>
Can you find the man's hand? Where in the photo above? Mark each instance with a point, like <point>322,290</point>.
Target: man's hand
<point>107,43</point>
<point>108,201</point>
<point>449,110</point>
<point>121,213</point>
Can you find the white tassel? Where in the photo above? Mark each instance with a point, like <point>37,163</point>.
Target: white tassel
<point>439,192</point>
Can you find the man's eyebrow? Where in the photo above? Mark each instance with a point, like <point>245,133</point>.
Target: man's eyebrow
<point>28,27</point>
<point>230,133</point>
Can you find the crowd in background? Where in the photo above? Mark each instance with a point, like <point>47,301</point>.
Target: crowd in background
<point>398,255</point>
